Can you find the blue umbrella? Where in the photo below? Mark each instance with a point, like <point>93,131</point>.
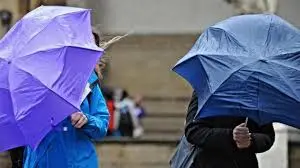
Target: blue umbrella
<point>247,66</point>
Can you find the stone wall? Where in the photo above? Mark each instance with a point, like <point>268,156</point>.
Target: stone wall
<point>156,154</point>
<point>135,155</point>
<point>171,16</point>
<point>4,160</point>
<point>126,155</point>
<point>142,64</point>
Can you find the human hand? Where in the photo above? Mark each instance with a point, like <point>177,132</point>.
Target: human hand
<point>78,119</point>
<point>241,136</point>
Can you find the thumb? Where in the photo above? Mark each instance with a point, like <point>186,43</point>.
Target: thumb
<point>242,125</point>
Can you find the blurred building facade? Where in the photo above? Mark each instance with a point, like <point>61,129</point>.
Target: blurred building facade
<point>162,32</point>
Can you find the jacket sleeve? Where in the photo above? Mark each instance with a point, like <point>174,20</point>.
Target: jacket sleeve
<point>263,139</point>
<point>201,133</point>
<point>98,117</point>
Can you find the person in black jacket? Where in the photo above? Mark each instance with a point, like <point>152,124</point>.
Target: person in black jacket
<point>16,156</point>
<point>226,142</point>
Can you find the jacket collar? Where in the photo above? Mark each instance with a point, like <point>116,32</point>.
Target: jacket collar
<point>93,78</point>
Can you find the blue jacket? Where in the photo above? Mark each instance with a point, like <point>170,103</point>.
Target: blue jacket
<point>68,147</point>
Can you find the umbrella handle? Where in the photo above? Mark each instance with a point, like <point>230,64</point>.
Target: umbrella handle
<point>246,121</point>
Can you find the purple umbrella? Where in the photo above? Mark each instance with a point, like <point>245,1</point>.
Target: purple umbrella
<point>45,63</point>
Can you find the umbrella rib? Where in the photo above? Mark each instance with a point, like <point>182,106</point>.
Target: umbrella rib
<point>217,54</point>
<point>34,36</point>
<point>213,92</point>
<point>268,38</point>
<point>275,62</point>
<point>230,35</point>
<point>60,47</point>
<point>207,78</point>
<point>211,57</point>
<point>288,84</point>
<point>297,53</point>
<point>47,87</point>
<point>281,91</point>
<point>234,71</point>
<point>227,78</point>
<point>63,67</point>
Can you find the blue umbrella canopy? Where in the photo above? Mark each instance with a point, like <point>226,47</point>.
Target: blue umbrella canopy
<point>247,66</point>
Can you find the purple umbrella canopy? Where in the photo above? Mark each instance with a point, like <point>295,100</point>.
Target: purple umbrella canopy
<point>45,62</point>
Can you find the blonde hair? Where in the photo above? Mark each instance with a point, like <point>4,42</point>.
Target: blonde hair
<point>104,45</point>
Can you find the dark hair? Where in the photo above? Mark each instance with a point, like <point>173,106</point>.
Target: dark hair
<point>124,95</point>
<point>97,38</point>
<point>108,92</point>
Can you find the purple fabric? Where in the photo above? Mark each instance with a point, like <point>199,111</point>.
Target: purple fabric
<point>45,63</point>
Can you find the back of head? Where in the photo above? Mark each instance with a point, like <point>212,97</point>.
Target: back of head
<point>124,95</point>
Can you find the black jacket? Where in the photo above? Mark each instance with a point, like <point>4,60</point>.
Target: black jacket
<point>16,156</point>
<point>214,136</point>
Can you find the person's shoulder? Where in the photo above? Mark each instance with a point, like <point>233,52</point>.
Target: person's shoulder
<point>129,102</point>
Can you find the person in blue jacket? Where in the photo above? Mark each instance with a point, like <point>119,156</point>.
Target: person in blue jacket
<point>70,144</point>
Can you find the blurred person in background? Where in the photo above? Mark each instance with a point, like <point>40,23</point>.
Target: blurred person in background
<point>16,156</point>
<point>140,111</point>
<point>129,125</point>
<point>110,102</point>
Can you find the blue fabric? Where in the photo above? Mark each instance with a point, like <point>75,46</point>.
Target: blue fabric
<point>68,147</point>
<point>247,66</point>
